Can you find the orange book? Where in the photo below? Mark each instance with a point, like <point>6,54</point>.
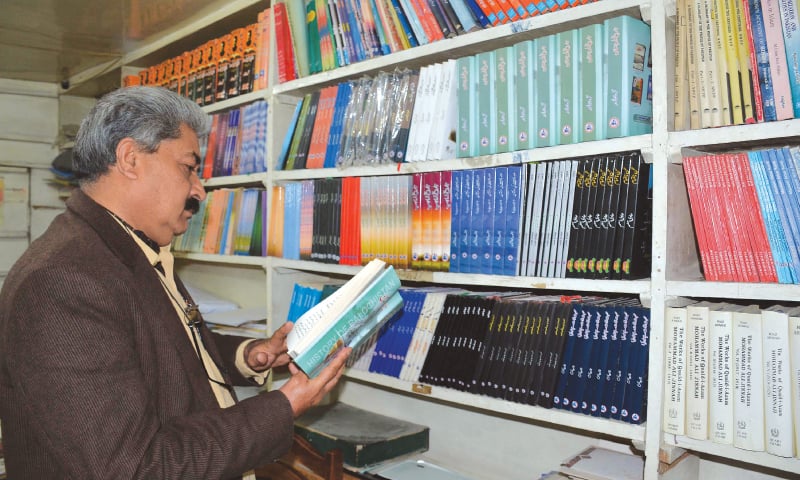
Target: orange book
<point>350,228</point>
<point>263,51</point>
<point>193,79</point>
<point>131,80</point>
<point>186,61</point>
<point>216,210</point>
<point>209,73</point>
<point>248,43</point>
<point>275,231</point>
<point>429,25</point>
<point>417,224</point>
<point>174,67</point>
<point>315,158</point>
<point>143,76</point>
<point>222,53</point>
<point>233,77</point>
<point>164,73</point>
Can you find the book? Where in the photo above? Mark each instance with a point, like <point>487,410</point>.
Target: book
<point>675,319</point>
<point>365,438</point>
<point>778,422</point>
<point>748,387</point>
<point>346,318</point>
<point>598,463</point>
<point>697,370</point>
<point>720,407</point>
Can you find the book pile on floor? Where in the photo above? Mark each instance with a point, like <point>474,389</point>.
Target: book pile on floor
<point>599,463</point>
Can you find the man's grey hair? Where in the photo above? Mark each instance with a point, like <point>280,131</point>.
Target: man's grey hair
<point>148,115</point>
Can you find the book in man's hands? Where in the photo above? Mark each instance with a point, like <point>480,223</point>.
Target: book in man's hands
<point>346,318</point>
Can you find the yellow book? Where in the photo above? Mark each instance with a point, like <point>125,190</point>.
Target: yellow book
<point>680,92</point>
<point>275,232</point>
<point>745,68</point>
<point>718,21</point>
<point>731,46</point>
<point>693,80</point>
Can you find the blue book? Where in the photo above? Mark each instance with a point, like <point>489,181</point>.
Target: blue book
<point>382,359</point>
<point>634,409</point>
<point>596,374</point>
<point>465,14</point>
<point>414,22</point>
<point>786,204</point>
<point>287,140</point>
<point>334,138</point>
<point>515,190</point>
<point>500,216</point>
<point>560,398</point>
<point>404,24</point>
<point>291,220</point>
<point>622,378</point>
<point>455,220</point>
<point>465,251</point>
<point>580,359</point>
<point>772,220</point>
<point>762,60</point>
<point>612,362</point>
<point>791,42</point>
<point>486,242</point>
<point>476,220</point>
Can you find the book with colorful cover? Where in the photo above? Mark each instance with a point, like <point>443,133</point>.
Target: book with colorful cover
<point>629,105</point>
<point>347,317</point>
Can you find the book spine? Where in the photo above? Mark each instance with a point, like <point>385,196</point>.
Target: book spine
<point>778,66</point>
<point>522,106</point>
<point>466,134</point>
<point>568,87</point>
<point>591,83</point>
<point>545,78</point>
<point>697,353</point>
<point>776,370</point>
<point>748,407</point>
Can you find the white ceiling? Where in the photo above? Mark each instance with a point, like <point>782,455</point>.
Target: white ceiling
<point>55,40</point>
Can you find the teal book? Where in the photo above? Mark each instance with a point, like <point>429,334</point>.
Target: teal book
<point>486,102</point>
<point>345,318</point>
<point>568,87</point>
<point>524,97</point>
<point>591,87</point>
<point>628,93</point>
<point>364,438</point>
<point>467,131</point>
<point>545,81</point>
<point>504,95</point>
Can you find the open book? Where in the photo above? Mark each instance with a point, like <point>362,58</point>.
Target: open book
<point>346,318</point>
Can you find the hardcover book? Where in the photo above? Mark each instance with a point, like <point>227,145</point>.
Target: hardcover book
<point>364,437</point>
<point>346,318</point>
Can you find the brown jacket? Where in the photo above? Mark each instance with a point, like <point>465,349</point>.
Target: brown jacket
<point>99,380</point>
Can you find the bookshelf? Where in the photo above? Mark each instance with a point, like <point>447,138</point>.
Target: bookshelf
<point>675,270</point>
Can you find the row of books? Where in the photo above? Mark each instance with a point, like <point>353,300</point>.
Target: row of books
<point>359,122</point>
<point>317,35</point>
<point>587,355</point>
<point>736,62</point>
<point>225,67</point>
<point>585,84</point>
<point>583,218</point>
<point>580,85</point>
<point>237,142</point>
<point>745,208</point>
<point>229,222</point>
<point>732,375</point>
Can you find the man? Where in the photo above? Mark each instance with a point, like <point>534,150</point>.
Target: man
<point>105,369</point>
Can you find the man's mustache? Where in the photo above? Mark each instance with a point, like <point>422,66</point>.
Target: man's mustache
<point>192,205</point>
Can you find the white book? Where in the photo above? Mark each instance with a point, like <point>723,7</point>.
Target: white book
<point>674,410</point>
<point>697,356</point>
<point>748,386</point>
<point>565,227</point>
<point>441,144</point>
<point>720,402</point>
<point>778,400</point>
<point>417,115</point>
<point>794,349</point>
<point>423,332</point>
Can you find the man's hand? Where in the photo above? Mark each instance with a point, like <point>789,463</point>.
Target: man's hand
<point>303,392</point>
<point>268,353</point>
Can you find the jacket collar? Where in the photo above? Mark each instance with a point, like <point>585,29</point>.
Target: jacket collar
<point>108,229</point>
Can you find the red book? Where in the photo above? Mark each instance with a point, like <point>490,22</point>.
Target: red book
<point>708,256</point>
<point>284,48</point>
<point>744,267</point>
<point>315,158</point>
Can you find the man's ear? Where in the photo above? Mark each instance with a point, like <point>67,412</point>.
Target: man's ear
<point>127,158</point>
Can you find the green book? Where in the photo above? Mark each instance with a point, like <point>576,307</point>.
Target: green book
<point>568,87</point>
<point>467,131</point>
<point>545,79</point>
<point>524,96</point>
<point>504,89</point>
<point>486,102</point>
<point>365,438</point>
<point>591,75</point>
<point>297,134</point>
<point>312,31</point>
<point>346,318</point>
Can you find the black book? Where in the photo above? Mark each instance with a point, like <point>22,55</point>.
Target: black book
<point>450,15</point>
<point>522,358</point>
<point>308,128</point>
<point>579,209</point>
<point>481,318</point>
<point>596,220</point>
<point>561,395</point>
<point>487,347</point>
<point>436,359</point>
<point>636,253</point>
<point>561,317</point>
<point>533,372</point>
<point>509,381</point>
<point>621,216</point>
<point>613,181</point>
